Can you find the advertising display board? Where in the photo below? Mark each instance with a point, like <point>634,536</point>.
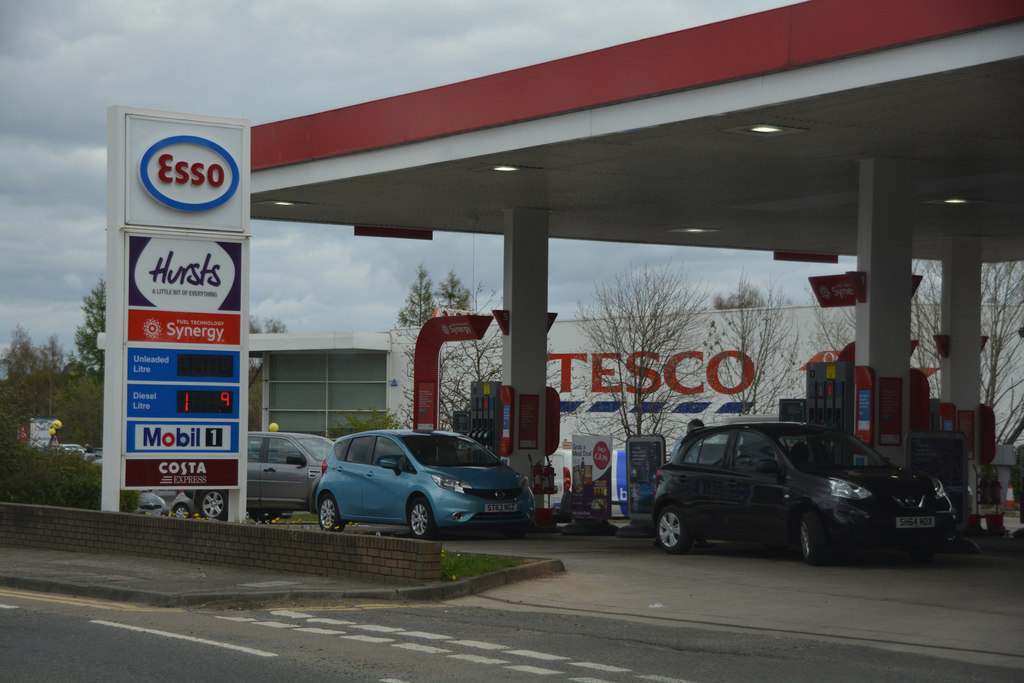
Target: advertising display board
<point>176,385</point>
<point>644,456</point>
<point>591,478</point>
<point>943,455</point>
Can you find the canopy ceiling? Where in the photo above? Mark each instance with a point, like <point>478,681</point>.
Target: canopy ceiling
<point>648,141</point>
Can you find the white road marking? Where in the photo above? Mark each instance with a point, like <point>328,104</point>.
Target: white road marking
<point>426,649</point>
<point>663,679</point>
<point>320,631</point>
<point>370,639</point>
<point>478,644</point>
<point>426,636</point>
<point>377,629</point>
<point>9,607</point>
<point>191,639</point>
<point>535,655</point>
<point>589,680</point>
<point>276,624</point>
<point>240,619</point>
<point>477,659</point>
<point>289,613</point>
<point>333,622</point>
<point>536,670</point>
<point>600,667</point>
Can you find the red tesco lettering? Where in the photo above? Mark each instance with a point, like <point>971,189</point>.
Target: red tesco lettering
<point>638,364</point>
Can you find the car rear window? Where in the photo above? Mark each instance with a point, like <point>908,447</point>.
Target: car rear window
<point>708,450</point>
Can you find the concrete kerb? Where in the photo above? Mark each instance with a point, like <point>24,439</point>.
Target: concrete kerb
<point>434,592</point>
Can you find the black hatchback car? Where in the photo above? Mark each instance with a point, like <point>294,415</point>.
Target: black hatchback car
<point>784,484</point>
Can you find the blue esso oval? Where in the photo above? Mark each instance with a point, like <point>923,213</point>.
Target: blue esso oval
<point>189,173</point>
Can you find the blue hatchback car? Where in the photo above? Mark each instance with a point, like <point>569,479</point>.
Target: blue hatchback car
<point>428,480</point>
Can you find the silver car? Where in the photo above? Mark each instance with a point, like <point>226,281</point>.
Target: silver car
<point>283,472</point>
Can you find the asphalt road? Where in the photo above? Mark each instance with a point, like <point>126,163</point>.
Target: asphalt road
<point>48,638</point>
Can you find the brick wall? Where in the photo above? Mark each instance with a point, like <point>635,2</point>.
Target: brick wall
<point>375,558</point>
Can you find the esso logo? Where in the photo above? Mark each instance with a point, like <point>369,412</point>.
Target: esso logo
<point>189,173</point>
<point>602,455</point>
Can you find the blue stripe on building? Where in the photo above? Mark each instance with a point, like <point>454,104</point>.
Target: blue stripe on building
<point>692,407</point>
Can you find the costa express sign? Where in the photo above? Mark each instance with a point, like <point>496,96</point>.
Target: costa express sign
<point>646,364</point>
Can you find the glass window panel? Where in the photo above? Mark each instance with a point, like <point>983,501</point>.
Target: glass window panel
<point>289,396</point>
<point>357,367</point>
<point>255,442</point>
<point>346,396</point>
<point>311,422</point>
<point>298,367</point>
<point>278,450</point>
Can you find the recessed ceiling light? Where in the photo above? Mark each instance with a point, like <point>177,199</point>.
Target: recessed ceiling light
<point>505,168</point>
<point>954,200</point>
<point>765,130</point>
<point>693,230</point>
<point>284,203</point>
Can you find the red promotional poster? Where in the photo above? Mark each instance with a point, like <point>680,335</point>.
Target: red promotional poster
<point>890,411</point>
<point>528,421</point>
<point>150,325</point>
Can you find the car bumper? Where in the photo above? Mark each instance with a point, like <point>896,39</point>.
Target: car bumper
<point>460,510</point>
<point>850,526</point>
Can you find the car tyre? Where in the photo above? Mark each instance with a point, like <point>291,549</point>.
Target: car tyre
<point>181,511</point>
<point>213,505</point>
<point>421,519</point>
<point>327,513</point>
<point>813,542</point>
<point>672,533</point>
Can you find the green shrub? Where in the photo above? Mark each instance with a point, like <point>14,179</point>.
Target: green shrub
<point>56,478</point>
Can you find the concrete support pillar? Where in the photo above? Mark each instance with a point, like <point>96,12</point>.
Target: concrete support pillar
<point>884,231</point>
<point>525,285</point>
<point>961,321</point>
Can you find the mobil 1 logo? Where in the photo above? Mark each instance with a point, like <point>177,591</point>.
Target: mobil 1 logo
<point>163,437</point>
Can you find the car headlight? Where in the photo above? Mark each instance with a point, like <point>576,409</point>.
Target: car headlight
<point>940,490</point>
<point>449,484</point>
<point>840,488</point>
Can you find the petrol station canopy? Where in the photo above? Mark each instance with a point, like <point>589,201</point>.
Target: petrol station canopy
<point>654,141</point>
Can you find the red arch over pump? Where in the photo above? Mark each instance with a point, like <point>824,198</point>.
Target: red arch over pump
<point>434,333</point>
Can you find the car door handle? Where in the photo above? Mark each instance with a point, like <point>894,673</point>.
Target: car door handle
<point>269,469</point>
<point>369,474</point>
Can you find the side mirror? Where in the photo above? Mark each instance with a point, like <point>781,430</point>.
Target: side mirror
<point>296,460</point>
<point>768,467</point>
<point>391,462</point>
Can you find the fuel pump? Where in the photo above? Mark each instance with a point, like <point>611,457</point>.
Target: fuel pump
<point>830,395</point>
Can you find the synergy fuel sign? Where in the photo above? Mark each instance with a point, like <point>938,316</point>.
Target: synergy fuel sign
<point>177,262</point>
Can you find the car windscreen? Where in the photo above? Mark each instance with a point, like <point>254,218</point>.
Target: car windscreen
<point>317,446</point>
<point>830,450</point>
<point>440,450</point>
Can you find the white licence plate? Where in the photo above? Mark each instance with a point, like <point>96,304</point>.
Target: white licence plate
<point>915,522</point>
<point>500,507</point>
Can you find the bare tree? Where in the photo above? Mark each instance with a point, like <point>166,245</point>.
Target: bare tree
<point>762,336</point>
<point>1002,313</point>
<point>1002,361</point>
<point>633,326</point>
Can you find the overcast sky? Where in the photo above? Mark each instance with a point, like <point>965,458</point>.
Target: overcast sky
<point>63,63</point>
